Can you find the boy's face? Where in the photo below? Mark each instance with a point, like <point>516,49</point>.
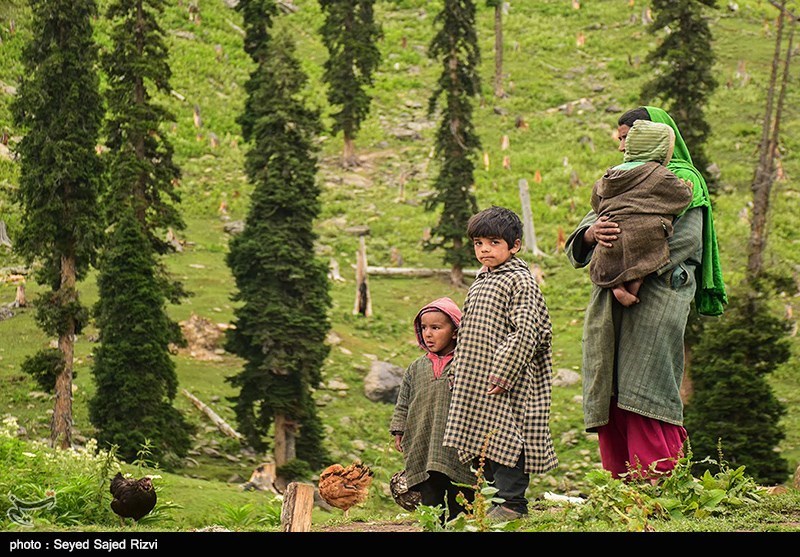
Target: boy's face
<point>493,252</point>
<point>438,332</point>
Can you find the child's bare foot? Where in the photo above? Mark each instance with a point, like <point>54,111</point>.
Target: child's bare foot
<point>633,286</point>
<point>624,297</point>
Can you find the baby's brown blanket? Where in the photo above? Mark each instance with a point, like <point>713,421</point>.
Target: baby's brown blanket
<point>643,201</point>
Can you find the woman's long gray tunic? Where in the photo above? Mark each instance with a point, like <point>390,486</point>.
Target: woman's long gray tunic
<point>636,353</point>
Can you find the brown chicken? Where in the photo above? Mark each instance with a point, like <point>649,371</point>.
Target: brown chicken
<point>345,487</point>
<point>132,498</point>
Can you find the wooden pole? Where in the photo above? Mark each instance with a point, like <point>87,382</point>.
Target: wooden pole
<point>528,234</point>
<point>298,502</point>
<point>363,304</point>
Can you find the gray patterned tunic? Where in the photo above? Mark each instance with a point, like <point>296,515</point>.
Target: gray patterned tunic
<point>420,414</point>
<point>504,339</point>
<point>636,353</point>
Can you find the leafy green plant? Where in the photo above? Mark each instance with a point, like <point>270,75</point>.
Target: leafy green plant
<point>237,517</point>
<point>272,513</point>
<point>161,513</point>
<point>637,504</point>
<point>144,455</point>
<point>48,486</point>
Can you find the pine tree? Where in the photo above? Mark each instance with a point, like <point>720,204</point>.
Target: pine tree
<point>59,107</point>
<point>142,177</point>
<point>134,373</point>
<point>350,34</point>
<point>455,44</point>
<point>281,322</point>
<point>140,154</point>
<point>683,64</point>
<point>732,405</point>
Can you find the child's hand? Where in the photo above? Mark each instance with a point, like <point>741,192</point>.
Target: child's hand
<point>496,390</point>
<point>398,443</point>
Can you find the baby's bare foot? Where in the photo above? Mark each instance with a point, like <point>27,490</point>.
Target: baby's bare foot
<point>624,297</point>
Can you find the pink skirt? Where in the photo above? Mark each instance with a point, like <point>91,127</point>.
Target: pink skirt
<point>630,443</point>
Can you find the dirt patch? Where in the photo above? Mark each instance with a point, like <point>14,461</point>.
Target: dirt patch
<point>402,526</point>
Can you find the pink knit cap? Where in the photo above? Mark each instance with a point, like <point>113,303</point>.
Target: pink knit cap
<point>446,306</point>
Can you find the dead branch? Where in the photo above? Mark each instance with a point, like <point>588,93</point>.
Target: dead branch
<point>221,424</point>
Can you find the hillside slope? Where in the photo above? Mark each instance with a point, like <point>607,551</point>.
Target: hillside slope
<point>568,91</point>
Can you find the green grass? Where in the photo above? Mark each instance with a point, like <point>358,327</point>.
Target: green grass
<point>387,194</point>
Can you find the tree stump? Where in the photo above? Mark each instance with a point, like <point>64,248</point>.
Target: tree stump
<point>20,301</point>
<point>298,502</point>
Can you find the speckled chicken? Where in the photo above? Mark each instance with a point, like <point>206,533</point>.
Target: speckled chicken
<point>132,498</point>
<point>345,487</point>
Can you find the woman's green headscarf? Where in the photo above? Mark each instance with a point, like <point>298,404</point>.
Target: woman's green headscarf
<point>711,297</point>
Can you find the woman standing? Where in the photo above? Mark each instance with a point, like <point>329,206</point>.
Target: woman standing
<point>633,358</point>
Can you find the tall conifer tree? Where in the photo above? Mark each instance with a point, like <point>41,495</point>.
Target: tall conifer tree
<point>350,34</point>
<point>683,65</point>
<point>134,371</point>
<point>455,45</point>
<point>732,405</point>
<point>142,183</point>
<point>59,107</point>
<point>282,321</point>
<point>140,153</point>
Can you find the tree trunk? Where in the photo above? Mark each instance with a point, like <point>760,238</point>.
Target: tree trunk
<point>457,272</point>
<point>61,424</point>
<point>498,51</point>
<point>349,158</point>
<point>285,446</point>
<point>762,181</point>
<point>280,441</point>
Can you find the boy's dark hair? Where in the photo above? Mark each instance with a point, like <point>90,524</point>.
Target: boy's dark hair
<point>632,115</point>
<point>495,222</point>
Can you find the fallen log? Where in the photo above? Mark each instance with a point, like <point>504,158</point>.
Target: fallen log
<point>414,272</point>
<point>221,424</point>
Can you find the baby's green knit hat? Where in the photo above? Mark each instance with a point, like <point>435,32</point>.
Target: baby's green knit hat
<point>649,141</point>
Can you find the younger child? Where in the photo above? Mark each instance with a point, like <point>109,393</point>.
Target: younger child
<point>646,197</point>
<point>420,413</point>
<point>500,410</point>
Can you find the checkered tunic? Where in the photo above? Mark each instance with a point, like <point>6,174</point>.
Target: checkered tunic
<point>504,339</point>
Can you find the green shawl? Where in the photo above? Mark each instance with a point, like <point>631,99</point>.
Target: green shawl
<point>711,297</point>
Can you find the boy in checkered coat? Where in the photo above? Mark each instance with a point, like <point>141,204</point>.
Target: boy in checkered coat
<point>502,368</point>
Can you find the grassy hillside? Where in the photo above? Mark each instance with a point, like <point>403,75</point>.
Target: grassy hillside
<point>568,94</point>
